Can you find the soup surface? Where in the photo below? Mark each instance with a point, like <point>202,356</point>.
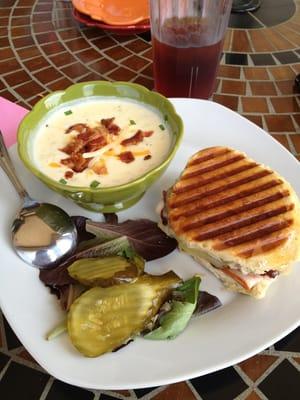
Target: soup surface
<point>101,142</point>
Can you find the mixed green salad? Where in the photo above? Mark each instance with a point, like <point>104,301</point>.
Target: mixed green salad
<point>108,297</point>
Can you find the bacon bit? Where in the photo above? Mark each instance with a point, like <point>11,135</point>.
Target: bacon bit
<point>100,168</point>
<point>147,133</point>
<point>138,137</point>
<point>76,162</point>
<point>69,174</point>
<point>80,128</point>
<point>75,146</point>
<point>147,157</point>
<point>96,144</point>
<point>54,165</point>
<point>110,126</point>
<point>127,157</point>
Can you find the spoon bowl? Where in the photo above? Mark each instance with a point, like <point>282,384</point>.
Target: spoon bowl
<point>42,234</point>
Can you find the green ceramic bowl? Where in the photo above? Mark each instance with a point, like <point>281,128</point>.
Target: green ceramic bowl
<point>108,199</point>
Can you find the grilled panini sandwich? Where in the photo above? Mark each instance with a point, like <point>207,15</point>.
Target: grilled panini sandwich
<point>236,217</point>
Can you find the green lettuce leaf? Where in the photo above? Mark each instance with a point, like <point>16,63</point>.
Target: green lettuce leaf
<point>174,321</point>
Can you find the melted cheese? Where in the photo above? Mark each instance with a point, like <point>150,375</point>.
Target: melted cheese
<point>51,136</point>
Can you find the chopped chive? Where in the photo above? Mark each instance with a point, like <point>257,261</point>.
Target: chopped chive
<point>63,181</point>
<point>47,125</point>
<point>132,122</point>
<point>166,118</point>
<point>94,184</point>
<point>162,127</point>
<point>68,112</point>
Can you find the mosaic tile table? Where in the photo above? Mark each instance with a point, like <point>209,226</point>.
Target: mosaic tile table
<point>43,49</point>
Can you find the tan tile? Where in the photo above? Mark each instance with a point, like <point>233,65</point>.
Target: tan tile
<point>256,119</point>
<point>263,88</point>
<point>278,41</point>
<point>259,41</point>
<point>282,139</point>
<point>227,101</point>
<point>285,104</point>
<point>255,104</point>
<point>240,42</point>
<point>290,35</point>
<point>255,366</point>
<point>228,71</point>
<point>282,73</point>
<point>296,67</point>
<point>233,87</point>
<point>227,40</point>
<point>297,359</point>
<point>279,123</point>
<point>296,142</point>
<point>256,73</point>
<point>177,391</point>
<point>253,396</point>
<point>287,87</point>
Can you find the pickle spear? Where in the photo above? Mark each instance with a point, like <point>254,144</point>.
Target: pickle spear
<point>106,271</point>
<point>103,319</point>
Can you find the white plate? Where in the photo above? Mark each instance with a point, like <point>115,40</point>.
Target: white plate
<point>239,329</point>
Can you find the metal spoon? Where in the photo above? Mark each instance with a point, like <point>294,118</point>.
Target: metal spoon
<point>42,233</point>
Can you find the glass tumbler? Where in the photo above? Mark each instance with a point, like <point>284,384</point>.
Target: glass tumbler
<point>187,39</point>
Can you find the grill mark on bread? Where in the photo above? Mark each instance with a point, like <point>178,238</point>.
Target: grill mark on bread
<point>219,189</point>
<point>264,246</point>
<point>214,232</point>
<point>213,167</point>
<point>214,178</point>
<point>213,152</point>
<point>252,205</point>
<point>210,203</point>
<point>261,234</point>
